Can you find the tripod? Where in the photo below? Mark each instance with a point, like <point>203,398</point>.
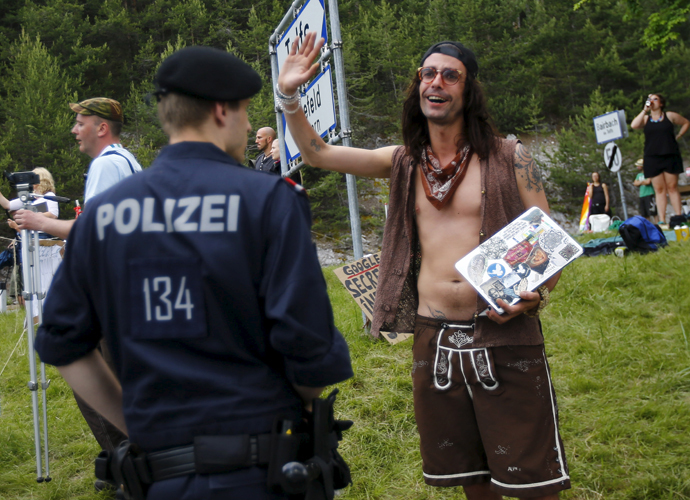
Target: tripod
<point>31,273</point>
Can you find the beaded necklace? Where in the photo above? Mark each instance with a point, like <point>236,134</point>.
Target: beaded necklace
<point>656,121</point>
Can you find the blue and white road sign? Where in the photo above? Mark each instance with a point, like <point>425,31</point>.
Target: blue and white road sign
<point>312,17</point>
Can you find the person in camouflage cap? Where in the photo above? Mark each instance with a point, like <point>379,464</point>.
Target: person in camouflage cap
<point>104,107</point>
<point>97,130</point>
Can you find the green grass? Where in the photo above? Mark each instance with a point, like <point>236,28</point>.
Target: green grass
<point>617,333</point>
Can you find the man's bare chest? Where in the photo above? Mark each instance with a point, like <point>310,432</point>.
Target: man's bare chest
<point>464,205</point>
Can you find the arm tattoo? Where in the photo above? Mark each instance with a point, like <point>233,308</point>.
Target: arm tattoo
<point>436,313</point>
<point>527,169</point>
<point>315,145</point>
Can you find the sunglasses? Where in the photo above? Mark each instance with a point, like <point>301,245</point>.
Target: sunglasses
<point>449,76</point>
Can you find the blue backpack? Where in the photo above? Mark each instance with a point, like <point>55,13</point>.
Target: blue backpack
<point>642,236</point>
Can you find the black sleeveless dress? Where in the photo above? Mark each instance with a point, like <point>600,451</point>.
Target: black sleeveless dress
<point>661,151</point>
<point>597,203</point>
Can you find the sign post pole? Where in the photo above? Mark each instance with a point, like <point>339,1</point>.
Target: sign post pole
<point>343,107</point>
<point>620,185</point>
<point>273,55</point>
<point>613,161</point>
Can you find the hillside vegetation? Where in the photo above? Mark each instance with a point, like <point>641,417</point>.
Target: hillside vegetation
<point>617,336</point>
<point>544,65</point>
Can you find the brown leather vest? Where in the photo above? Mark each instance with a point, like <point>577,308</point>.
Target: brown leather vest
<point>396,303</point>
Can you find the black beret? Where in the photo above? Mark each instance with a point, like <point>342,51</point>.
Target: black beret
<point>207,73</point>
<point>458,51</point>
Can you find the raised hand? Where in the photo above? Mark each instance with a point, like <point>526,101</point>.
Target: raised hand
<point>299,67</point>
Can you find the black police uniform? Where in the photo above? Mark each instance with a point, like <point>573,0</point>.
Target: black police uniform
<point>202,276</point>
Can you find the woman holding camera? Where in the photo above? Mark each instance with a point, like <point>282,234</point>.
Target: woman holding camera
<point>49,256</point>
<point>662,161</point>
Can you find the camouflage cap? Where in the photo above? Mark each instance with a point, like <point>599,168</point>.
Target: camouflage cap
<point>106,108</point>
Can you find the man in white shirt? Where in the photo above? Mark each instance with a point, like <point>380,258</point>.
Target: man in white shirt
<point>97,130</point>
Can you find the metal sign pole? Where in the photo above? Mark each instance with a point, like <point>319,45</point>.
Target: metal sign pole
<point>279,115</point>
<point>620,185</point>
<point>337,49</point>
<point>614,161</point>
<point>346,131</point>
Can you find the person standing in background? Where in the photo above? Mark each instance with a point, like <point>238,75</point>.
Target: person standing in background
<point>598,196</point>
<point>662,160</point>
<point>265,138</point>
<point>97,128</point>
<point>647,195</point>
<point>49,253</point>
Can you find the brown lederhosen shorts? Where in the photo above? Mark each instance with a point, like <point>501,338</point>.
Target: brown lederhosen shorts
<point>485,414</point>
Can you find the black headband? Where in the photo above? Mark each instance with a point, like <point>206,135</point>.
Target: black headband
<point>456,50</point>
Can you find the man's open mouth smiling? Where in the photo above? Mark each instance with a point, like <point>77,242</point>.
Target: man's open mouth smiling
<point>436,99</point>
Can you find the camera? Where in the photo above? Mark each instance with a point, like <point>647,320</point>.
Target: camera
<point>19,178</point>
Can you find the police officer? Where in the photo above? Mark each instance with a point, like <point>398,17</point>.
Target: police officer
<point>204,281</point>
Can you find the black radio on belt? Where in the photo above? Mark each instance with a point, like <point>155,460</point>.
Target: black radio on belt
<point>320,469</point>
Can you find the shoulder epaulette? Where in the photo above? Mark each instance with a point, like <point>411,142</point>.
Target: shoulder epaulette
<point>297,187</point>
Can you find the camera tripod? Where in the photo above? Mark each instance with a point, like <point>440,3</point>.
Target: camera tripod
<point>31,273</point>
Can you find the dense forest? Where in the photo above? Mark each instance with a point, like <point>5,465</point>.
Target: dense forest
<point>547,68</point>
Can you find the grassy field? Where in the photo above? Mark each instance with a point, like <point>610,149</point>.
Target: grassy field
<point>617,336</point>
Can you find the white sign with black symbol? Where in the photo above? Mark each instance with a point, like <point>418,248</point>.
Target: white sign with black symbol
<point>312,17</point>
<point>610,126</point>
<point>319,108</point>
<point>612,157</point>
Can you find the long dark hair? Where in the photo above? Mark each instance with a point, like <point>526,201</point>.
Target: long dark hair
<point>479,131</point>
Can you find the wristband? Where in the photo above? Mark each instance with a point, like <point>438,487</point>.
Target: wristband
<point>283,107</point>
<point>283,100</point>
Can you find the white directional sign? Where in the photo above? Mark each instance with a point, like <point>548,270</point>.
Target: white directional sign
<point>319,108</point>
<point>610,150</point>
<point>610,127</point>
<point>312,17</point>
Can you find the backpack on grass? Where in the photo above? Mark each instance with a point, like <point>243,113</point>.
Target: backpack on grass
<point>641,236</point>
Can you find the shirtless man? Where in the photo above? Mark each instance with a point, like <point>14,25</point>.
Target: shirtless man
<point>484,404</point>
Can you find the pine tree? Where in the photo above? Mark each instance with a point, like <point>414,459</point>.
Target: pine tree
<point>37,119</point>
